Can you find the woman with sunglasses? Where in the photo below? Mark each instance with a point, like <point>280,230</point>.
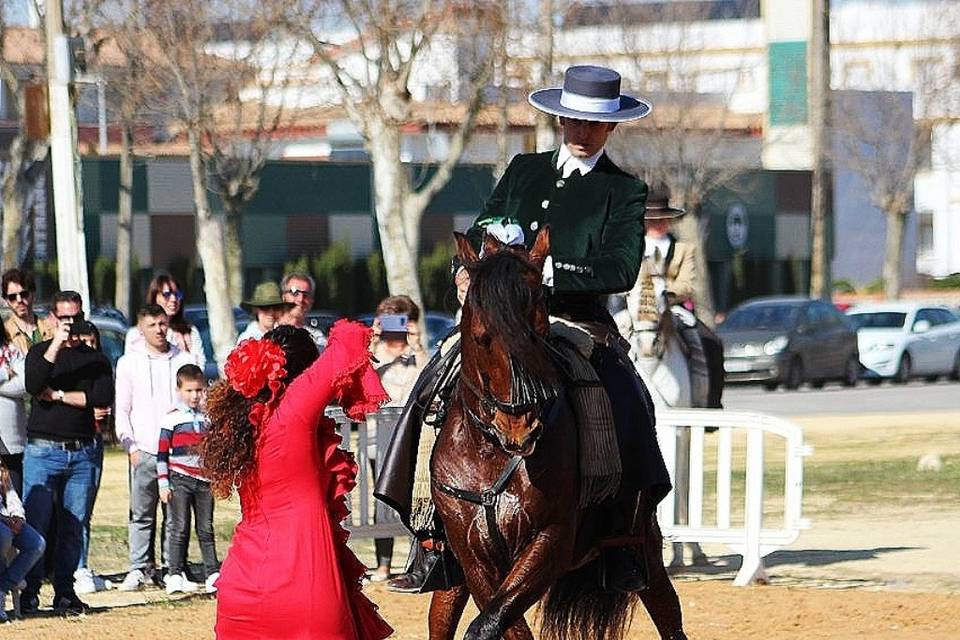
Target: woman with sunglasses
<point>166,292</point>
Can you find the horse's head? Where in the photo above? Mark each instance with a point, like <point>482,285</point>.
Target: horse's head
<point>506,374</point>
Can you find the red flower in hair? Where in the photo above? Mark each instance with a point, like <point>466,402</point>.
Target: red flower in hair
<point>253,365</point>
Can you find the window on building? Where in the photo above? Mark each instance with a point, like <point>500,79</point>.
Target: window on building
<point>857,74</point>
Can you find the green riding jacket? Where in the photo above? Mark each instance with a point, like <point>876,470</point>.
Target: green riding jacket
<point>596,226</point>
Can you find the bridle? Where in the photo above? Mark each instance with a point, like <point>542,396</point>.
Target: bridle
<point>527,393</point>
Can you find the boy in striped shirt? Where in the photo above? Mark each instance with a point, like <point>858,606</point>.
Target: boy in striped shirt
<point>181,481</point>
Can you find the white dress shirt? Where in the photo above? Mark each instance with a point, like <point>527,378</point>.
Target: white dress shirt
<point>568,163</point>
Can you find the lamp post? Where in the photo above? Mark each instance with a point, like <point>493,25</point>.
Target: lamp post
<point>65,159</point>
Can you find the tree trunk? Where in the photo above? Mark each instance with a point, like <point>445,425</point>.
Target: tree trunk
<point>896,220</point>
<point>13,190</point>
<point>397,219</point>
<point>545,132</point>
<point>232,234</point>
<point>223,332</point>
<point>121,298</point>
<point>691,230</point>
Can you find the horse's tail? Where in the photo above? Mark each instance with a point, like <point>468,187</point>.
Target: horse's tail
<point>578,608</point>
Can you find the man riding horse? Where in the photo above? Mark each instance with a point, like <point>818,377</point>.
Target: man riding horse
<point>595,212</point>
<point>670,266</point>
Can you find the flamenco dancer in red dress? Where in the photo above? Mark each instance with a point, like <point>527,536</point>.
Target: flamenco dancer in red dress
<point>289,573</point>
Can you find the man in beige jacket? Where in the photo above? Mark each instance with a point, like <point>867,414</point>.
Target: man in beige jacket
<point>24,327</point>
<point>673,264</point>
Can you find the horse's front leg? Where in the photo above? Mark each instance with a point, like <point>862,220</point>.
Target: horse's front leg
<point>660,598</point>
<point>539,565</point>
<point>446,607</point>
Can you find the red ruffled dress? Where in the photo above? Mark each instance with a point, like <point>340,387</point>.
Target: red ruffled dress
<point>289,572</point>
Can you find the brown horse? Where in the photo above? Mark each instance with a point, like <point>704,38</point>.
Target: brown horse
<point>505,475</point>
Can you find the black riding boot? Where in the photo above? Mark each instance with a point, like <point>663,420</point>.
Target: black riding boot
<point>623,569</point>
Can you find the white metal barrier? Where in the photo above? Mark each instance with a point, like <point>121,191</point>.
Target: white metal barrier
<point>747,534</point>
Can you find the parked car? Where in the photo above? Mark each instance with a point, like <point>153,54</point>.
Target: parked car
<point>322,319</point>
<point>113,334</point>
<point>899,340</point>
<point>789,341</point>
<point>197,315</point>
<point>439,325</point>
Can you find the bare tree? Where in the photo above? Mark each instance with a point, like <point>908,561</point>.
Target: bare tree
<point>372,74</point>
<point>879,139</point>
<point>24,151</point>
<point>242,135</point>
<point>178,35</point>
<point>886,134</point>
<point>693,142</point>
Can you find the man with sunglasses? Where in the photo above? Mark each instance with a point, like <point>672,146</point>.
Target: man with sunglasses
<point>298,290</point>
<point>24,327</point>
<point>63,458</point>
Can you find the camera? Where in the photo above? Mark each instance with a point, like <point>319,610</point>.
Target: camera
<point>80,327</point>
<point>391,323</point>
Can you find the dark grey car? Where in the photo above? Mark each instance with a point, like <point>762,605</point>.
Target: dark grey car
<point>789,341</point>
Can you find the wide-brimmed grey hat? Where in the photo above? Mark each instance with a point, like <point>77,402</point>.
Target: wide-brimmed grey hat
<point>266,294</point>
<point>658,206</point>
<point>590,93</point>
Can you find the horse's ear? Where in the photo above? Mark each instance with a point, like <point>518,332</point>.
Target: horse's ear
<point>465,250</point>
<point>491,244</point>
<point>541,247</point>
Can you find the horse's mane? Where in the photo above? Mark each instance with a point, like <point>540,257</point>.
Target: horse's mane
<point>500,294</point>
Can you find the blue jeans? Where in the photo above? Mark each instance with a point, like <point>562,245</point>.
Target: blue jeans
<point>30,545</point>
<point>60,485</point>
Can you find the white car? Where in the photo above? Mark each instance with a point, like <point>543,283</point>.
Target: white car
<point>900,340</point>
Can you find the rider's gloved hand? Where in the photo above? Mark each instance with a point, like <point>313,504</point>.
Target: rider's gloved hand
<point>548,272</point>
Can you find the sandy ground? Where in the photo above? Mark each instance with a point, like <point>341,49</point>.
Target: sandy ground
<point>714,610</point>
<point>884,574</point>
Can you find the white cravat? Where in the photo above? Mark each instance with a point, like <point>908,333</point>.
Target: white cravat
<point>568,163</point>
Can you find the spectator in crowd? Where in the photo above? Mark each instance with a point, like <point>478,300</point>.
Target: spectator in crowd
<point>64,455</point>
<point>165,291</point>
<point>183,487</point>
<point>13,412</point>
<point>146,390</point>
<point>397,346</point>
<point>299,290</point>
<point>14,532</point>
<point>267,307</point>
<point>400,359</point>
<point>24,327</point>
<point>84,579</point>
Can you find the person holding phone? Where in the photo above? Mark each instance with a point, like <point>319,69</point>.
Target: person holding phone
<point>67,379</point>
<point>400,359</point>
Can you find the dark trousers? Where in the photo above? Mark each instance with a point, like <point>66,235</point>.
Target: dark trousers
<point>713,349</point>
<point>190,494</point>
<point>634,419</point>
<point>382,546</point>
<point>14,464</point>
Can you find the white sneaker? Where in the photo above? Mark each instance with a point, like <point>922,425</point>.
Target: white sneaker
<point>179,584</point>
<point>211,583</point>
<point>133,581</point>
<point>86,581</point>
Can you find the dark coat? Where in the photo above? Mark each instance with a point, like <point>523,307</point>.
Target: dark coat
<point>596,226</point>
<point>596,238</point>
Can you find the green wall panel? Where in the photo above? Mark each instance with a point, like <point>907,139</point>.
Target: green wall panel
<point>788,82</point>
<point>101,180</point>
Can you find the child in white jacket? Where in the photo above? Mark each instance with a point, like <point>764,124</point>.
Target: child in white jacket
<point>15,532</point>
